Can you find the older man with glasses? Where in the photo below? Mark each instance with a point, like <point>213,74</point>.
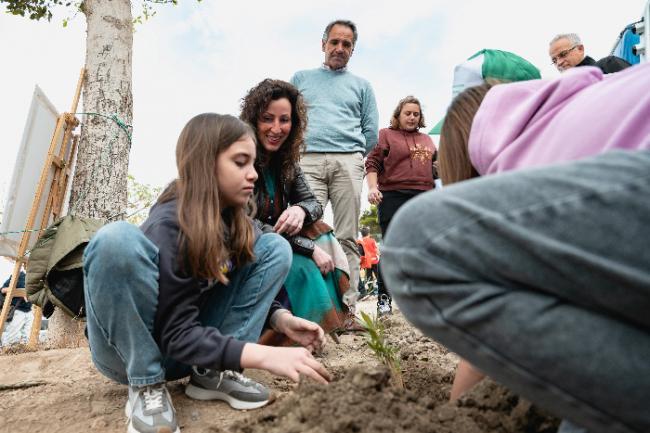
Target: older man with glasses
<point>567,51</point>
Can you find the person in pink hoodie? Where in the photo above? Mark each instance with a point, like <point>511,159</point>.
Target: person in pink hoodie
<point>540,122</point>
<point>538,273</point>
<point>399,168</point>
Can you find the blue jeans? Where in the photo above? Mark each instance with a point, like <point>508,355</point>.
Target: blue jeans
<point>121,289</point>
<point>541,279</point>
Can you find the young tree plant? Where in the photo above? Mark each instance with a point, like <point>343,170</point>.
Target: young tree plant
<point>387,354</point>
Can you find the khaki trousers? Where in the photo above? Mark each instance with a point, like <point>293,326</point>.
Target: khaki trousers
<point>338,178</point>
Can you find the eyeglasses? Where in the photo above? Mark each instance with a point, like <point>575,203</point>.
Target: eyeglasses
<point>562,54</point>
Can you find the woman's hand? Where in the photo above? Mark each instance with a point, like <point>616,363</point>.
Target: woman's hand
<point>291,362</point>
<point>323,260</point>
<point>304,332</point>
<point>290,221</point>
<point>374,196</point>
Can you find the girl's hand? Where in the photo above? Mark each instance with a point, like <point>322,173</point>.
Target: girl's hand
<point>374,196</point>
<point>290,221</point>
<point>304,332</point>
<point>323,260</point>
<point>291,362</point>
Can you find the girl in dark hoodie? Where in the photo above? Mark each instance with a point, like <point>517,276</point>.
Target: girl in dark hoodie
<point>188,293</point>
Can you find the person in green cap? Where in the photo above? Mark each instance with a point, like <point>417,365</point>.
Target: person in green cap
<point>487,65</point>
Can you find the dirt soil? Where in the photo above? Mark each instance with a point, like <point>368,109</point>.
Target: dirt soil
<point>60,390</point>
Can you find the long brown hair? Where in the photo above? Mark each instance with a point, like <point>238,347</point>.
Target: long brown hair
<point>394,120</point>
<point>209,235</point>
<point>454,164</point>
<point>253,105</point>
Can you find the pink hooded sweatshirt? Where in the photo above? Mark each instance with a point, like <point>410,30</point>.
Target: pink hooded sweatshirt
<point>541,122</point>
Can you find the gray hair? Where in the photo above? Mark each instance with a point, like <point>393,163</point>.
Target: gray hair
<point>347,23</point>
<point>571,37</point>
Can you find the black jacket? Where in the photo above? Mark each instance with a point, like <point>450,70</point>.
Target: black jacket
<point>295,192</point>
<point>608,65</point>
<point>587,61</point>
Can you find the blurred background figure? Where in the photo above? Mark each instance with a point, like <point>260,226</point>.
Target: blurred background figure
<point>20,318</point>
<point>567,51</point>
<point>369,262</point>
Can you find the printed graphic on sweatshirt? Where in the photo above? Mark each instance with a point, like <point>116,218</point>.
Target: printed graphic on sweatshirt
<point>421,154</point>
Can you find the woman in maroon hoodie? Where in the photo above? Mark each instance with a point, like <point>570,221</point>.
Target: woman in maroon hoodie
<point>399,168</point>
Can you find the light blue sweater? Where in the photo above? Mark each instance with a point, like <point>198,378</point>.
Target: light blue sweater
<point>342,111</point>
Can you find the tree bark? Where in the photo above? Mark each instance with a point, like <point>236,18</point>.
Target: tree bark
<point>99,188</point>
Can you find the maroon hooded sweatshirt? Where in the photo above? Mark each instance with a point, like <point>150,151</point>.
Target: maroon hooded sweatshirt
<point>402,160</point>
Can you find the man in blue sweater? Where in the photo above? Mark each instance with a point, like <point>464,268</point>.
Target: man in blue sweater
<point>342,128</point>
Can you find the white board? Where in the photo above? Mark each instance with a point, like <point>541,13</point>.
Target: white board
<point>32,155</point>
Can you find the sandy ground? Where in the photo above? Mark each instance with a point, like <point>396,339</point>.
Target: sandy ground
<point>59,390</point>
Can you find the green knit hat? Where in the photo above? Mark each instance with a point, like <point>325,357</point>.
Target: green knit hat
<point>496,64</point>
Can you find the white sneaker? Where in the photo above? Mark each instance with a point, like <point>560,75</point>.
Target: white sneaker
<point>234,388</point>
<point>150,410</point>
<point>383,306</point>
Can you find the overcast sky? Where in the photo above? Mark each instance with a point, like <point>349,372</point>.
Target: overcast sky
<point>200,57</point>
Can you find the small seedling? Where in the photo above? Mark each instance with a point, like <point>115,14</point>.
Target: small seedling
<point>376,340</point>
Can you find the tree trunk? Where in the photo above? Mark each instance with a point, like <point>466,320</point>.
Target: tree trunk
<point>99,188</point>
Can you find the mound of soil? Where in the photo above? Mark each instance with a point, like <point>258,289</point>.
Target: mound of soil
<point>363,398</point>
<point>60,390</point>
<point>364,401</point>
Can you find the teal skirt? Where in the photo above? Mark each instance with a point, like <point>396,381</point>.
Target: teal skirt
<point>313,296</point>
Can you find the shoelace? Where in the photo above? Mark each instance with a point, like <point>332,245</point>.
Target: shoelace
<point>153,398</point>
<point>238,377</point>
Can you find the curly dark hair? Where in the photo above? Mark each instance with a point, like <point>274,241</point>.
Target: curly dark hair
<point>253,105</point>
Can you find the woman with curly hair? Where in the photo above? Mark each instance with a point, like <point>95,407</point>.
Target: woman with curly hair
<point>319,274</point>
